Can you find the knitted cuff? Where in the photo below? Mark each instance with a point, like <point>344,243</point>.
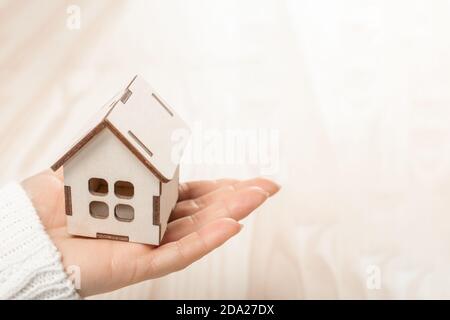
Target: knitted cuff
<point>30,264</point>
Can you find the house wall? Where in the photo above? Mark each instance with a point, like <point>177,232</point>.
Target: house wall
<point>107,158</point>
<point>169,198</point>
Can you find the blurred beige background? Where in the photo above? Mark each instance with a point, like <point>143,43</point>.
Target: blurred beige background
<point>355,95</point>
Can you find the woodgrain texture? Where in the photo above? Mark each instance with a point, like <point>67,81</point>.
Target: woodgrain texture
<point>353,94</point>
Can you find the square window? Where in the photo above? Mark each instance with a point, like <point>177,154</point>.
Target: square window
<point>98,209</point>
<point>124,212</point>
<point>98,187</point>
<point>124,189</point>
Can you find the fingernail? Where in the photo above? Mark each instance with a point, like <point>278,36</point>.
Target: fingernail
<point>245,201</point>
<point>277,185</point>
<point>262,191</point>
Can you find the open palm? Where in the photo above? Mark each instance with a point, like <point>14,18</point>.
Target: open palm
<point>204,218</point>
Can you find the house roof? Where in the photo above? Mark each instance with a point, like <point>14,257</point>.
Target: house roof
<point>144,123</point>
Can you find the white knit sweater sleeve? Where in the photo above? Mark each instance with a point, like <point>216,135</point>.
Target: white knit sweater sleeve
<point>30,264</point>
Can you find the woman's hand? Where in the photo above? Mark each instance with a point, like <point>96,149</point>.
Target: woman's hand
<point>205,217</point>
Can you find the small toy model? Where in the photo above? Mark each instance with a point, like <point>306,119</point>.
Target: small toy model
<point>121,175</point>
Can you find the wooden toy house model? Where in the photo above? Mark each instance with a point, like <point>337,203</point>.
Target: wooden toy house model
<point>121,174</point>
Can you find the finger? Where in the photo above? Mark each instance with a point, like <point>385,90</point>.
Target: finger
<point>268,185</point>
<point>48,173</point>
<point>175,256</point>
<point>195,189</point>
<point>58,173</point>
<point>237,206</point>
<point>45,190</point>
<point>191,206</point>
